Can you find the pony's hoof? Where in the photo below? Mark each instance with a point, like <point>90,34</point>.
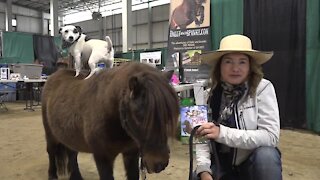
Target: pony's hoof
<point>76,177</point>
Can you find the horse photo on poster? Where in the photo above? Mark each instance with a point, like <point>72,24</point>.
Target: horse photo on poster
<point>189,13</point>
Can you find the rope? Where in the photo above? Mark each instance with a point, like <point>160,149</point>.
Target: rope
<point>191,151</point>
<point>214,152</point>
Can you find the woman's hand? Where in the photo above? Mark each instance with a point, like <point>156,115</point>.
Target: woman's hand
<point>208,130</point>
<point>205,176</point>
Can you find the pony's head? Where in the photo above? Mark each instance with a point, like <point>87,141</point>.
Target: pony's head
<point>149,114</point>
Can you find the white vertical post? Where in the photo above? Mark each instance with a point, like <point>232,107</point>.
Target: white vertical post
<point>126,25</point>
<point>9,16</point>
<point>54,17</point>
<point>150,26</point>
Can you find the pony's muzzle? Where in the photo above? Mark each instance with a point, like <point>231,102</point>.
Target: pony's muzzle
<point>157,167</point>
<point>155,163</point>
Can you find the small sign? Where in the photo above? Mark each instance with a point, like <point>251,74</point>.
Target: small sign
<point>4,73</point>
<point>151,57</point>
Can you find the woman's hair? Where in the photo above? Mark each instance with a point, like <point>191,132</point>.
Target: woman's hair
<point>255,75</point>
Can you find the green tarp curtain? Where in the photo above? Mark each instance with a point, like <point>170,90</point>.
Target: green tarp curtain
<point>313,65</point>
<point>17,47</point>
<point>226,19</point>
<point>27,47</point>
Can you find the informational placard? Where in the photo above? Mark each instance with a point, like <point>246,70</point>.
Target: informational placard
<point>151,57</point>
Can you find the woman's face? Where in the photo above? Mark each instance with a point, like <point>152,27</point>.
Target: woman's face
<point>235,68</point>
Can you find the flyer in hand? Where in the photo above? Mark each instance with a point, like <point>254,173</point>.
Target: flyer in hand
<point>190,117</point>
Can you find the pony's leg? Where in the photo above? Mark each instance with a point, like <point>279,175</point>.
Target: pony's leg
<point>104,166</point>
<point>131,164</point>
<point>51,146</point>
<point>52,171</point>
<point>73,165</point>
<point>57,159</point>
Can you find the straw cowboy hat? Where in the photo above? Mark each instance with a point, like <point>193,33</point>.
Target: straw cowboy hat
<point>236,43</point>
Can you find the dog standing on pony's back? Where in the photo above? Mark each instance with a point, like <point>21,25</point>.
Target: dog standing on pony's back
<point>83,49</point>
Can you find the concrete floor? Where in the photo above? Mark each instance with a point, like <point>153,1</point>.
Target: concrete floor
<point>23,153</point>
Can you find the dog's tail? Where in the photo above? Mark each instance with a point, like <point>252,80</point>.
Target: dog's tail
<point>107,38</point>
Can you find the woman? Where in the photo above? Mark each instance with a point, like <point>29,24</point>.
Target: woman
<point>245,126</point>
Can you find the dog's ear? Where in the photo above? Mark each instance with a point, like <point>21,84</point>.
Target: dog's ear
<point>60,29</point>
<point>78,30</point>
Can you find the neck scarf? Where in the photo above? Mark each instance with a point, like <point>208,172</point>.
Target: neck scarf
<point>231,96</point>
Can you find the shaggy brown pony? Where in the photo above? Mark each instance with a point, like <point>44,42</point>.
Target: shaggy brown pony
<point>130,109</point>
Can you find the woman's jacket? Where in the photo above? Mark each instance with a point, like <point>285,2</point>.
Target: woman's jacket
<point>258,124</point>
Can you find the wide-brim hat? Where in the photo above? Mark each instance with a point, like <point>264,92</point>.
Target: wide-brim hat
<point>233,44</point>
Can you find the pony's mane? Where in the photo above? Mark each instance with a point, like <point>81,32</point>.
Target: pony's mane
<point>162,100</point>
<point>161,109</point>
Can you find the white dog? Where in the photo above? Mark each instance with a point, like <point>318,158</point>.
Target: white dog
<point>84,49</point>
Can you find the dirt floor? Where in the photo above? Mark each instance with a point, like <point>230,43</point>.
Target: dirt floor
<point>23,153</point>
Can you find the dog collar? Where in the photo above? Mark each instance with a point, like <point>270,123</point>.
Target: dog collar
<point>66,44</point>
<point>77,38</point>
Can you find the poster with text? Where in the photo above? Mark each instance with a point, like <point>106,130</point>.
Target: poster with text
<point>189,32</point>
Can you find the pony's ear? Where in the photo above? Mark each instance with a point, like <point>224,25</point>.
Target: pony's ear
<point>134,86</point>
<point>168,74</point>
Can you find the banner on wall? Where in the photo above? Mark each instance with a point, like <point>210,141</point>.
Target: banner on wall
<point>189,35</point>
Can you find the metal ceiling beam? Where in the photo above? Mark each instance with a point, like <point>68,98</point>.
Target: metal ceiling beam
<point>65,6</point>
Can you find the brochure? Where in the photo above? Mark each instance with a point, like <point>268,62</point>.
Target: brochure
<point>190,117</point>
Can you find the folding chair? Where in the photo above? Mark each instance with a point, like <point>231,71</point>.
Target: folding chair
<point>3,96</point>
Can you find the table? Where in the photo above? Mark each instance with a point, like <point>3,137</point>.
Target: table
<point>196,90</point>
<point>29,84</point>
<point>183,87</point>
<point>184,90</point>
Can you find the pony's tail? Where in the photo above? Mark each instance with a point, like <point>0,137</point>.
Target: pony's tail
<point>61,157</point>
